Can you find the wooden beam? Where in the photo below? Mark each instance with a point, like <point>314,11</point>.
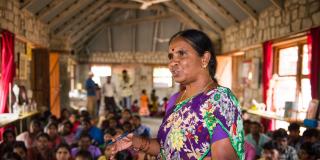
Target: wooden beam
<point>83,15</point>
<point>49,8</point>
<point>155,36</point>
<point>221,10</point>
<point>181,15</point>
<point>247,9</point>
<point>109,31</point>
<point>277,3</point>
<point>68,13</point>
<point>25,4</point>
<point>141,20</point>
<point>91,26</point>
<point>88,21</point>
<point>85,38</point>
<point>131,5</point>
<point>199,12</point>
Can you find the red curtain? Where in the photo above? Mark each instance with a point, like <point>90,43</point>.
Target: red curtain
<point>314,41</point>
<point>7,68</point>
<point>266,77</point>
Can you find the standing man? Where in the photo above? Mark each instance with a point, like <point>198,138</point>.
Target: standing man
<point>126,86</point>
<point>109,91</point>
<point>91,95</point>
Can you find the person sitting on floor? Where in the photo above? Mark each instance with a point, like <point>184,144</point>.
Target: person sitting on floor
<point>20,149</point>
<point>41,150</point>
<point>286,152</point>
<point>28,137</point>
<point>85,144</point>
<point>94,132</point>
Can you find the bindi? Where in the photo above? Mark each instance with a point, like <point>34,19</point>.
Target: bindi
<point>172,49</point>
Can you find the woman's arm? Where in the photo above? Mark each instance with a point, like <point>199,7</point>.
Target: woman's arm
<point>222,149</point>
<point>147,145</point>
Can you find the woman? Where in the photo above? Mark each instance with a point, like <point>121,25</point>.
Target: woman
<point>203,121</point>
<point>63,152</point>
<point>54,138</point>
<point>144,102</point>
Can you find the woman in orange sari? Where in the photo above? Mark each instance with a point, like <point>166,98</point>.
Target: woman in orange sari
<point>144,101</point>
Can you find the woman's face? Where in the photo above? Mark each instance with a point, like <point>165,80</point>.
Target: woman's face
<point>63,154</point>
<point>42,143</point>
<point>52,131</point>
<point>184,62</point>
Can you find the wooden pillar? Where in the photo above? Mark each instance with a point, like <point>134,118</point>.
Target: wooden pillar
<point>54,84</point>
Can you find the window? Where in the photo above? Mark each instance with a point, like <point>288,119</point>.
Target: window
<point>100,72</point>
<point>291,86</point>
<point>162,77</point>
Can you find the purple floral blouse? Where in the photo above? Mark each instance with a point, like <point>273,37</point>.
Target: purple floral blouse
<point>190,127</point>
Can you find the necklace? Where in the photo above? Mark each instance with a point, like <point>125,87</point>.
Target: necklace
<point>187,99</point>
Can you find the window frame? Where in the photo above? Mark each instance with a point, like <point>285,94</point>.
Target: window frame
<point>299,75</point>
<point>153,84</point>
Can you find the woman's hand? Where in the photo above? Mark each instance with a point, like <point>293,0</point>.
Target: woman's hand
<point>122,144</point>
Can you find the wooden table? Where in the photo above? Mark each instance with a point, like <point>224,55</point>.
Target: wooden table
<point>272,115</point>
<point>9,118</point>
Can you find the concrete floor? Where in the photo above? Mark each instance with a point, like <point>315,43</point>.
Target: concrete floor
<point>153,123</point>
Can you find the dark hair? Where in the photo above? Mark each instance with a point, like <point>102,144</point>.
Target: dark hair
<point>247,122</point>
<point>269,145</point>
<point>8,131</point>
<point>85,135</point>
<point>41,134</point>
<point>308,147</point>
<point>201,43</point>
<point>84,154</point>
<point>20,144</point>
<point>137,116</point>
<point>110,131</point>
<point>293,127</point>
<point>63,145</point>
<point>311,132</point>
<point>52,124</point>
<point>35,122</point>
<point>280,133</point>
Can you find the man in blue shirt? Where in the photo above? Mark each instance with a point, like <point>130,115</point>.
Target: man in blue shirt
<point>95,133</point>
<point>91,95</point>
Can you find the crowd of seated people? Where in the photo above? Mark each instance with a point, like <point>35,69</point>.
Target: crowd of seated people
<point>74,136</point>
<point>281,144</point>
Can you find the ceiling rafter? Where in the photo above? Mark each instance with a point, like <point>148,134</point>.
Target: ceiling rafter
<point>131,5</point>
<point>85,38</point>
<point>90,26</point>
<point>221,10</point>
<point>68,13</point>
<point>88,20</point>
<point>44,12</point>
<point>182,16</point>
<point>26,4</point>
<point>247,9</point>
<point>82,15</point>
<point>69,25</point>
<point>196,9</point>
<point>277,3</point>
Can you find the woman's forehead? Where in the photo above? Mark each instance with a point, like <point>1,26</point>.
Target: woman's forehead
<point>177,44</point>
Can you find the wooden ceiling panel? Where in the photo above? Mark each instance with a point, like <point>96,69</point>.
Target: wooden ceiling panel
<point>68,13</point>
<point>199,12</point>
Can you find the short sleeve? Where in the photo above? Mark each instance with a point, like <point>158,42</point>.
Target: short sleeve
<point>218,134</point>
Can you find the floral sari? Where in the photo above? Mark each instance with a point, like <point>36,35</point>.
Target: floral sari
<point>189,127</point>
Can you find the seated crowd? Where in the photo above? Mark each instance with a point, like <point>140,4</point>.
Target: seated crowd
<point>75,136</point>
<point>279,145</point>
